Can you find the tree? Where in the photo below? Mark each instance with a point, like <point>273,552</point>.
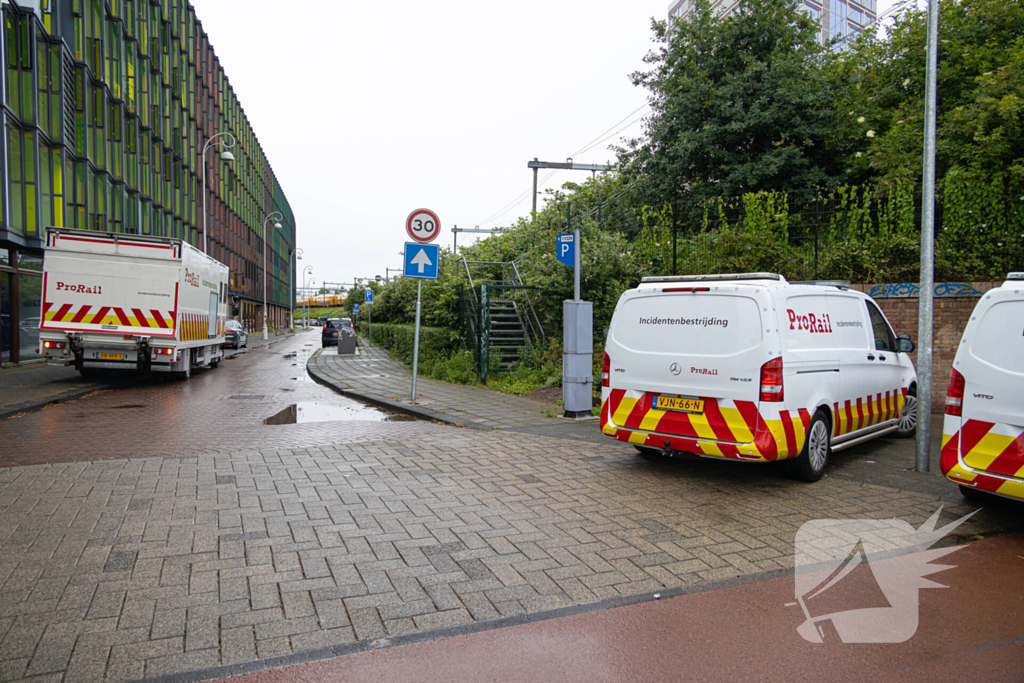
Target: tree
<point>739,104</point>
<point>880,123</point>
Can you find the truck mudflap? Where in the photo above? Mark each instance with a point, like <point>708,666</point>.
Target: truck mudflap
<point>725,429</point>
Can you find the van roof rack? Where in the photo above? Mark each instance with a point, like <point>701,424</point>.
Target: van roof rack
<point>714,277</point>
<point>1015,276</point>
<point>838,284</point>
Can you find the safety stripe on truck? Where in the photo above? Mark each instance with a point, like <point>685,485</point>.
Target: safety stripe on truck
<point>106,315</point>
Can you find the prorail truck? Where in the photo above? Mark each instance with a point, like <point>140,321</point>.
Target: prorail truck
<point>131,302</point>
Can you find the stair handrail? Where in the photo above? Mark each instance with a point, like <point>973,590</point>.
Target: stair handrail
<point>534,329</point>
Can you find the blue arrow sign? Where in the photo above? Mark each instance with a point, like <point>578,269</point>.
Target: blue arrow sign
<point>421,260</point>
<point>369,296</point>
<point>565,249</point>
<point>355,308</point>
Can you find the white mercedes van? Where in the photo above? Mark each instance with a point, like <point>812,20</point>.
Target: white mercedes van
<point>983,430</point>
<point>752,367</point>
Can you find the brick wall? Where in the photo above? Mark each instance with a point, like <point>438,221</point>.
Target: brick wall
<point>951,314</point>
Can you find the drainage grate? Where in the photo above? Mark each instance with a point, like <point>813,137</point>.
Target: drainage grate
<point>246,397</point>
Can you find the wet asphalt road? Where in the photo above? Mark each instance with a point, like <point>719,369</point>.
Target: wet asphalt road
<point>216,411</point>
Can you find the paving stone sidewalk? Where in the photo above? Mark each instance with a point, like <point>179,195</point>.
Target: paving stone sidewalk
<point>127,569</point>
<point>373,375</point>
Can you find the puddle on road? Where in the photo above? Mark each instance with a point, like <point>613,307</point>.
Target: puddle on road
<point>301,413</point>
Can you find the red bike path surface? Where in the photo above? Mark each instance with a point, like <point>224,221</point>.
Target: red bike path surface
<point>972,630</point>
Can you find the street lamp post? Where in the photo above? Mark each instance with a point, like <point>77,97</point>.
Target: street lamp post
<point>224,156</point>
<point>291,283</point>
<point>305,271</point>
<point>277,226</point>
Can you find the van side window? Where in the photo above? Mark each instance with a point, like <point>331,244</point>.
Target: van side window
<point>885,340</point>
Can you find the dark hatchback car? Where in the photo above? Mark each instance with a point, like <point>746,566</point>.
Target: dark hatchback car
<point>329,335</point>
<point>235,335</point>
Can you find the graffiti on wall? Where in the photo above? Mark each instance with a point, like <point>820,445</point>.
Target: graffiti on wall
<point>909,289</point>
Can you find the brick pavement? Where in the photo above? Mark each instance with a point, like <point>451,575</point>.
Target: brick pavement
<point>375,375</point>
<point>125,569</point>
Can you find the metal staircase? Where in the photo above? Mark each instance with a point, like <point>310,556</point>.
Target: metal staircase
<point>498,318</point>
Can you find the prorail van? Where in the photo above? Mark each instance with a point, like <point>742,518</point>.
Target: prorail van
<point>752,367</point>
<point>983,430</point>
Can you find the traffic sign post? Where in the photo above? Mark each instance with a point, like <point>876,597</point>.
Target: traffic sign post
<point>368,298</point>
<point>420,262</point>
<point>423,225</point>
<point>565,249</point>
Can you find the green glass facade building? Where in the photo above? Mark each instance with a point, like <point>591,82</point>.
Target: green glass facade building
<point>107,105</point>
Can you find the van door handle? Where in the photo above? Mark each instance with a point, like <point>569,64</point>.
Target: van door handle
<point>881,358</point>
<point>870,357</point>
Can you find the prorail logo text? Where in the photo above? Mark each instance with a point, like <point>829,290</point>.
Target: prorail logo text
<point>812,323</point>
<point>79,289</point>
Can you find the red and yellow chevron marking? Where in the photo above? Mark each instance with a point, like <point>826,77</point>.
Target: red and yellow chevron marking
<point>726,429</point>
<point>108,315</point>
<point>973,450</point>
<point>194,327</point>
<point>867,411</point>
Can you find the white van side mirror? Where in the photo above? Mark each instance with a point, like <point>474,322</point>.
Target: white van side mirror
<point>904,344</point>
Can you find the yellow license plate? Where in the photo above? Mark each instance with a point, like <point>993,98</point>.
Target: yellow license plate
<point>110,356</point>
<point>685,405</point>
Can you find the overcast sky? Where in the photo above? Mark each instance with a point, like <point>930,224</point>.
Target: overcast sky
<point>368,110</point>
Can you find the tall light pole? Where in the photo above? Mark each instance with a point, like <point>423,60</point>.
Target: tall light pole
<point>305,271</point>
<point>224,156</point>
<point>277,226</point>
<point>291,283</point>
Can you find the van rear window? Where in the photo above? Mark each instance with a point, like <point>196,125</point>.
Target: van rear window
<point>999,339</point>
<point>701,324</point>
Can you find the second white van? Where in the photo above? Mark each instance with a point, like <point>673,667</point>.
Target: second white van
<point>752,367</point>
<point>983,430</point>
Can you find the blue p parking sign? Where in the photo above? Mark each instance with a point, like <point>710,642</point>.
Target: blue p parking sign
<point>565,249</point>
<point>355,308</point>
<point>369,296</point>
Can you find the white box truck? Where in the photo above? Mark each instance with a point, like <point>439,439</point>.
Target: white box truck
<point>131,302</point>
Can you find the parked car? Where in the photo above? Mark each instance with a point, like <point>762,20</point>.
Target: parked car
<point>983,430</point>
<point>752,367</point>
<point>329,335</point>
<point>235,335</point>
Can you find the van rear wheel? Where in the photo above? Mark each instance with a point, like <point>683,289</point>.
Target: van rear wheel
<point>810,464</point>
<point>906,427</point>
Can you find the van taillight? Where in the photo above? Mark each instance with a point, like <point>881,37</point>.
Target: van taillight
<point>771,380</point>
<point>688,289</point>
<point>606,371</point>
<point>163,352</point>
<point>53,345</point>
<point>955,395</point>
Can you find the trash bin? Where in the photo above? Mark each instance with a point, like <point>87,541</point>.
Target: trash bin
<point>346,341</point>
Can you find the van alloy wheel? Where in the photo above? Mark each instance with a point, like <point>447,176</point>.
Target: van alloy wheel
<point>906,426</point>
<point>813,459</point>
<point>817,446</point>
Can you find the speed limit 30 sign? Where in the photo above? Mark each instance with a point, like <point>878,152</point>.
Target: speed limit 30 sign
<point>423,225</point>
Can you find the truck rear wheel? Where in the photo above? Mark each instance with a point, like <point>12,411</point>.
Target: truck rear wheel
<point>813,459</point>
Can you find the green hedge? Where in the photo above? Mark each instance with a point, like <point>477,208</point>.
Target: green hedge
<point>440,355</point>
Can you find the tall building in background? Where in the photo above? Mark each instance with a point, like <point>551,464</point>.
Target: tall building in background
<point>844,18</point>
<point>107,105</point>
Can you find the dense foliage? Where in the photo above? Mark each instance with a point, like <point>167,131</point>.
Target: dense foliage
<point>766,151</point>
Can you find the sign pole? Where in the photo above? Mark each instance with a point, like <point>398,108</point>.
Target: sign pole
<point>416,339</point>
<point>579,250</point>
<point>369,312</point>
